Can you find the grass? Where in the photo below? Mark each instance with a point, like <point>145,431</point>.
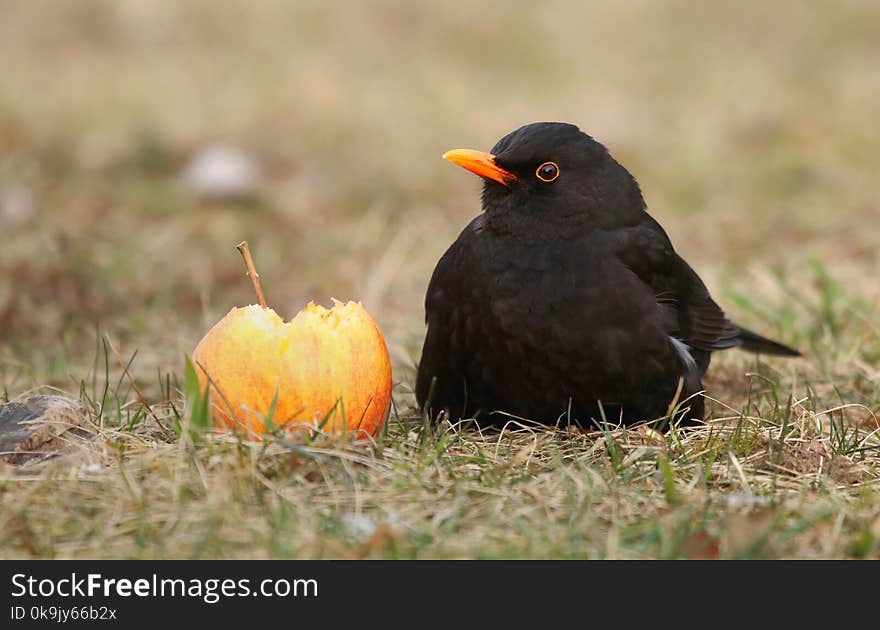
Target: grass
<point>797,479</point>
<point>749,127</point>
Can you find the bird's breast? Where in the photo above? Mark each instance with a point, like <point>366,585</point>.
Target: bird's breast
<point>566,298</point>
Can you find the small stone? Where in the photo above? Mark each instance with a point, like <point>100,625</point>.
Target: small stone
<point>222,172</point>
<point>16,205</point>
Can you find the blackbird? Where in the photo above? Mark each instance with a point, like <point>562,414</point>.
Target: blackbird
<point>564,299</point>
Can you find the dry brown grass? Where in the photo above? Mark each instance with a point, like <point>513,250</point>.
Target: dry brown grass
<point>751,128</point>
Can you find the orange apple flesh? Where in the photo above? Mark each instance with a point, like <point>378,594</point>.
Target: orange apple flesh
<point>324,363</point>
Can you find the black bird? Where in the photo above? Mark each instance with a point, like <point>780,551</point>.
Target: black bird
<point>564,299</point>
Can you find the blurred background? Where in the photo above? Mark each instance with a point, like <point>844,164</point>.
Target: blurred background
<point>141,141</point>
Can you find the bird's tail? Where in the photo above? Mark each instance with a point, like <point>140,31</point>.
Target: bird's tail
<point>753,342</point>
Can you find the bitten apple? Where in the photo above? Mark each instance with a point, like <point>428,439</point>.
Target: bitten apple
<point>329,369</point>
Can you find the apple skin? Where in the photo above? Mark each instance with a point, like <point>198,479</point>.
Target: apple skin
<point>324,362</point>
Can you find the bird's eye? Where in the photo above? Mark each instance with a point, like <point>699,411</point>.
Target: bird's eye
<point>547,172</point>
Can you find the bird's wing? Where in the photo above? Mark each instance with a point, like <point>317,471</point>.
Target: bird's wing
<point>691,313</point>
<point>702,323</point>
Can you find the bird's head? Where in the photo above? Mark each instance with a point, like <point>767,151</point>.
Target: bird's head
<point>552,172</point>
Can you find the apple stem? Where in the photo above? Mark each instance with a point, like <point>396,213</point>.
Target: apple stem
<point>251,271</point>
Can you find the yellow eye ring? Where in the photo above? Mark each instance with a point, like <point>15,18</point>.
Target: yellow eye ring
<point>547,172</point>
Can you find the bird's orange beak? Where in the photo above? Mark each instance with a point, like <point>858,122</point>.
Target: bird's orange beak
<point>483,164</point>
